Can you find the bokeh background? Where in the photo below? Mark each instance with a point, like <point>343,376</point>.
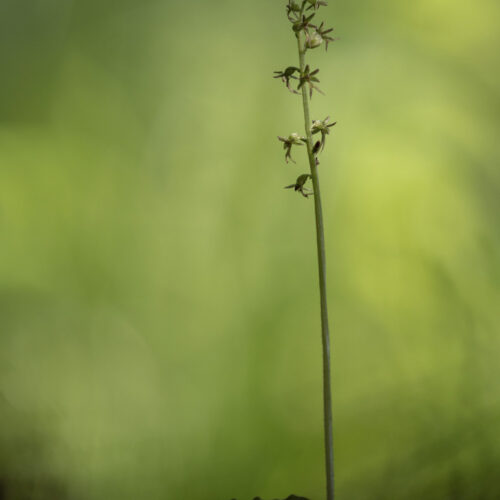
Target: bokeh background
<point>159,318</point>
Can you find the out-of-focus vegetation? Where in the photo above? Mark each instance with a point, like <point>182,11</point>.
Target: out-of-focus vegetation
<point>159,326</point>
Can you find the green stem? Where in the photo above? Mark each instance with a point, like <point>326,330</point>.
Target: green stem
<point>325,334</point>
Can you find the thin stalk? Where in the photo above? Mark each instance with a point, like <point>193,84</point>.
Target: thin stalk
<point>320,241</point>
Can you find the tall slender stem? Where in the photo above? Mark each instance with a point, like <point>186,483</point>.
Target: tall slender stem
<point>325,334</point>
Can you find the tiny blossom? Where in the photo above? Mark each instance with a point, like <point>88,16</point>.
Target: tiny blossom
<point>292,140</point>
<point>287,75</point>
<point>323,127</point>
<point>313,41</point>
<point>303,24</point>
<point>299,185</point>
<point>323,33</point>
<point>292,8</point>
<point>316,4</point>
<point>310,78</point>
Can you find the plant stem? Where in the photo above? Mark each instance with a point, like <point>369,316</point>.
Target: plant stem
<point>325,334</point>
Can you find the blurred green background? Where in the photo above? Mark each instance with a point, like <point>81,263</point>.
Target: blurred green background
<point>159,317</point>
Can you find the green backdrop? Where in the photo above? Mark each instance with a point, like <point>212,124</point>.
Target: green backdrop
<point>159,316</point>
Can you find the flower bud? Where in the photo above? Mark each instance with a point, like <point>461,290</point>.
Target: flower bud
<point>317,125</point>
<point>294,138</point>
<point>313,41</point>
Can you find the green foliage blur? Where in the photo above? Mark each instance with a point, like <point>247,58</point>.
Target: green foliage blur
<point>159,315</point>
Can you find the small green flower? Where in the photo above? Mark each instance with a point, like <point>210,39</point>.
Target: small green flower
<point>310,78</point>
<point>323,127</point>
<point>316,4</point>
<point>287,75</point>
<point>313,41</point>
<point>323,33</point>
<point>292,140</point>
<point>292,8</point>
<point>299,186</point>
<point>303,24</point>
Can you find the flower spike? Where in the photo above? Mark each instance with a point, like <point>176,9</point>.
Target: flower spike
<point>309,35</point>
